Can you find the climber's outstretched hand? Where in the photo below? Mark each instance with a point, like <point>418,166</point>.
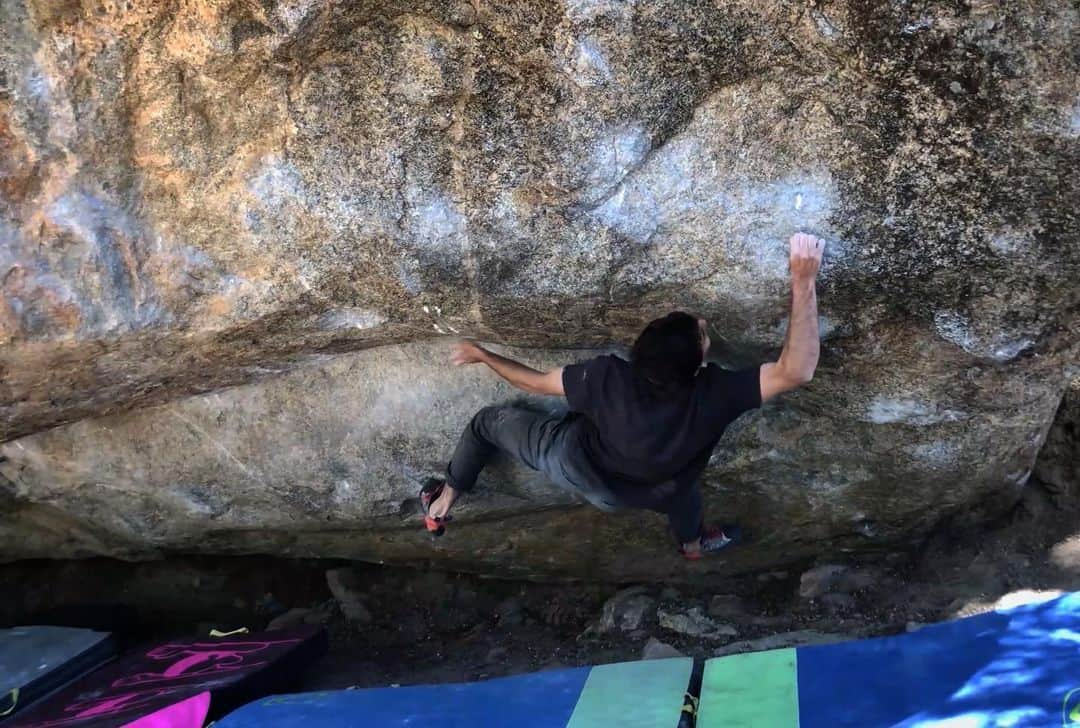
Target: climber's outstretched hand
<point>519,375</point>
<point>467,352</point>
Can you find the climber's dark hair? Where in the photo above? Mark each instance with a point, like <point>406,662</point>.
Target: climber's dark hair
<point>667,354</point>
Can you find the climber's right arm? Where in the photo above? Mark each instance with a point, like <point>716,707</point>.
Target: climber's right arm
<point>802,346</point>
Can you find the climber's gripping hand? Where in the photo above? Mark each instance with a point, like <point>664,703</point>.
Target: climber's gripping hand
<point>467,352</point>
<point>805,258</point>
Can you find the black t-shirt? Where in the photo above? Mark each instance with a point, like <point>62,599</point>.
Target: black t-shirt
<point>638,437</point>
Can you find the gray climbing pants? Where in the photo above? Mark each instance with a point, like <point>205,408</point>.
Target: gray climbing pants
<point>548,443</point>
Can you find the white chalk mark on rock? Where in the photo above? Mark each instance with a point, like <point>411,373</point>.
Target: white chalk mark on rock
<point>588,66</point>
<point>350,318</point>
<point>1001,346</point>
<point>884,410</point>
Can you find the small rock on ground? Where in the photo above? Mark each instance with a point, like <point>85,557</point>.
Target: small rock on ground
<point>627,610</point>
<point>510,612</point>
<point>833,578</point>
<point>838,603</point>
<point>496,654</point>
<point>726,606</point>
<point>656,650</point>
<point>694,623</point>
<point>772,576</point>
<point>322,613</point>
<point>345,587</point>
<point>770,622</point>
<point>292,618</point>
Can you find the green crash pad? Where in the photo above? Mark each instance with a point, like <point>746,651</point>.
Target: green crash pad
<point>643,694</point>
<point>754,690</point>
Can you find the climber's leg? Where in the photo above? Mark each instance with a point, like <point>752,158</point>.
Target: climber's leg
<point>535,439</point>
<point>686,514</point>
<point>521,433</point>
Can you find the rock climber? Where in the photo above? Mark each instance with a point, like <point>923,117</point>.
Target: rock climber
<point>638,433</point>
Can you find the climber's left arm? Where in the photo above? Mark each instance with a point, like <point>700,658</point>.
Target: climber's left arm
<point>519,375</point>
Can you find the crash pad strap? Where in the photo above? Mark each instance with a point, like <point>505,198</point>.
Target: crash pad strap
<point>750,690</point>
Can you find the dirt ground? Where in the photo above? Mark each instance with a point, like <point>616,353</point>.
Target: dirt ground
<point>415,627</point>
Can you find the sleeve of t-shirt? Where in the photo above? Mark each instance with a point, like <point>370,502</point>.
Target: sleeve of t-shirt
<point>738,390</point>
<point>581,383</point>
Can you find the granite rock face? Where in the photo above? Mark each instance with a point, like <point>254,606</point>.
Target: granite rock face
<point>211,194</point>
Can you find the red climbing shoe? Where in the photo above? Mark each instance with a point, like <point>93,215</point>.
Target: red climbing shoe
<point>429,491</point>
<point>714,539</point>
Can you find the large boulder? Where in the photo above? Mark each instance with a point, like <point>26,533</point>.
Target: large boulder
<point>227,193</point>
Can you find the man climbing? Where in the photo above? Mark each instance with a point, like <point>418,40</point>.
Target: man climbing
<point>638,433</point>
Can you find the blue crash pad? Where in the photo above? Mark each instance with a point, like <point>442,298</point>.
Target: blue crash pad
<point>1018,667</point>
<point>630,695</point>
